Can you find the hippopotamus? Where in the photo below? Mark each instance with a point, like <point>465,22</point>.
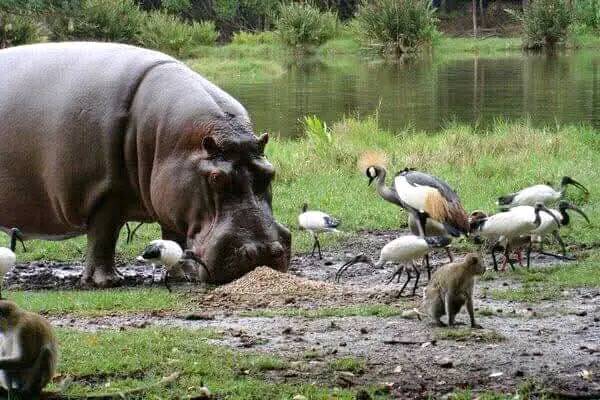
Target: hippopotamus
<point>96,134</point>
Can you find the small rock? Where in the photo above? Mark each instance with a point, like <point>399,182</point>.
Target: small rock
<point>585,374</point>
<point>504,283</point>
<point>581,313</point>
<point>499,311</point>
<point>496,374</point>
<point>290,300</point>
<point>518,373</point>
<point>299,397</point>
<point>343,344</point>
<point>287,331</point>
<point>328,262</point>
<point>398,369</point>
<point>596,319</point>
<point>345,379</point>
<point>445,362</point>
<point>198,316</point>
<point>333,326</point>
<point>364,330</point>
<point>537,353</point>
<point>203,394</point>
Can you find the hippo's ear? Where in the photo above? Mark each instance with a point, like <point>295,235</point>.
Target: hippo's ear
<point>262,142</point>
<point>209,144</point>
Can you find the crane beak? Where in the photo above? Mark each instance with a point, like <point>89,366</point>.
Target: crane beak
<point>547,211</point>
<point>579,211</point>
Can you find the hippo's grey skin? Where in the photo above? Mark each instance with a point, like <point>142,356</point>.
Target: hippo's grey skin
<point>96,134</point>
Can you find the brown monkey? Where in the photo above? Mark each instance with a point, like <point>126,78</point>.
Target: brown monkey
<point>450,287</point>
<point>28,352</point>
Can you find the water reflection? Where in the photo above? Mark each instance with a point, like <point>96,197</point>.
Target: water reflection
<point>428,93</point>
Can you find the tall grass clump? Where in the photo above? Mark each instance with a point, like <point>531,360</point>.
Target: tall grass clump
<point>396,27</point>
<point>18,29</point>
<point>546,23</point>
<point>301,25</point>
<point>103,20</point>
<point>167,33</point>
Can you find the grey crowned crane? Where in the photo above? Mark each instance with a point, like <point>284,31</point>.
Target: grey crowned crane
<point>316,222</point>
<point>545,194</point>
<point>504,227</point>
<point>421,191</point>
<point>551,226</point>
<point>402,250</point>
<point>169,254</point>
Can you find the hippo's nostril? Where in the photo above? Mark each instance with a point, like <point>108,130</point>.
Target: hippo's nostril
<point>276,249</point>
<point>250,252</point>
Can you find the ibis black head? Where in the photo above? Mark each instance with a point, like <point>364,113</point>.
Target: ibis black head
<point>304,207</point>
<point>151,252</point>
<point>564,205</point>
<point>566,180</point>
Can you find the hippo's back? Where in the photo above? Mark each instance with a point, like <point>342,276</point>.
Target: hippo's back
<point>63,110</point>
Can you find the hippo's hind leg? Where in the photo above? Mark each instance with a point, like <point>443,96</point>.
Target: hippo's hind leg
<point>103,231</point>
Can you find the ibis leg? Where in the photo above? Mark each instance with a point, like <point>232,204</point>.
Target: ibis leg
<point>128,239</point>
<point>494,248</point>
<point>340,271</point>
<point>312,252</point>
<point>418,273</point>
<point>427,265</point>
<point>408,279</point>
<point>529,254</point>
<point>398,272</point>
<point>450,256</point>
<point>507,258</point>
<point>319,247</point>
<point>561,242</point>
<point>166,279</point>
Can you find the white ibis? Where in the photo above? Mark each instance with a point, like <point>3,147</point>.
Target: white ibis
<point>506,226</point>
<point>545,194</point>
<point>401,250</point>
<point>165,252</point>
<point>421,191</point>
<point>7,261</point>
<point>551,226</point>
<point>316,222</point>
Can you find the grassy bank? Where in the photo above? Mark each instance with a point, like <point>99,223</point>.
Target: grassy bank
<point>479,164</point>
<point>113,362</point>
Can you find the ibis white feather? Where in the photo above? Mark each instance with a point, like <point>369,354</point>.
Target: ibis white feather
<point>316,222</point>
<point>7,262</point>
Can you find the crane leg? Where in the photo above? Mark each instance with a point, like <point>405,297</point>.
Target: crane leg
<point>397,272</point>
<point>408,279</point>
<point>427,265</point>
<point>418,273</point>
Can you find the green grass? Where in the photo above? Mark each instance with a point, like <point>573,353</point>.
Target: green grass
<point>349,364</point>
<point>98,302</point>
<point>111,361</point>
<point>548,283</point>
<point>369,310</point>
<point>506,156</point>
<point>468,334</point>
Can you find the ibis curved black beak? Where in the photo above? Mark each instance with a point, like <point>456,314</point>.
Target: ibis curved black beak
<point>16,234</point>
<point>371,179</point>
<point>579,211</point>
<point>361,258</point>
<point>190,255</point>
<point>570,181</point>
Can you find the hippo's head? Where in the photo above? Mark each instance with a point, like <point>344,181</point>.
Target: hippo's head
<point>218,194</point>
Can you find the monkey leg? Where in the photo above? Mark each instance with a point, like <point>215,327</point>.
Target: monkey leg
<point>474,325</point>
<point>398,272</point>
<point>41,372</point>
<point>454,303</point>
<point>103,231</point>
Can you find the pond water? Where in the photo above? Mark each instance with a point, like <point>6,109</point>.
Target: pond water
<point>428,93</point>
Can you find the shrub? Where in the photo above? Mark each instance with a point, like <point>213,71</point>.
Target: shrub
<point>18,29</point>
<point>104,20</point>
<point>302,25</point>
<point>169,34</point>
<point>546,23</point>
<point>587,13</point>
<point>396,26</point>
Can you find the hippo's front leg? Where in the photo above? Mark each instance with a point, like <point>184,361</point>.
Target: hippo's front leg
<point>103,231</point>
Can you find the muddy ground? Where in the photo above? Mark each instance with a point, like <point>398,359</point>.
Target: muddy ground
<point>552,343</point>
